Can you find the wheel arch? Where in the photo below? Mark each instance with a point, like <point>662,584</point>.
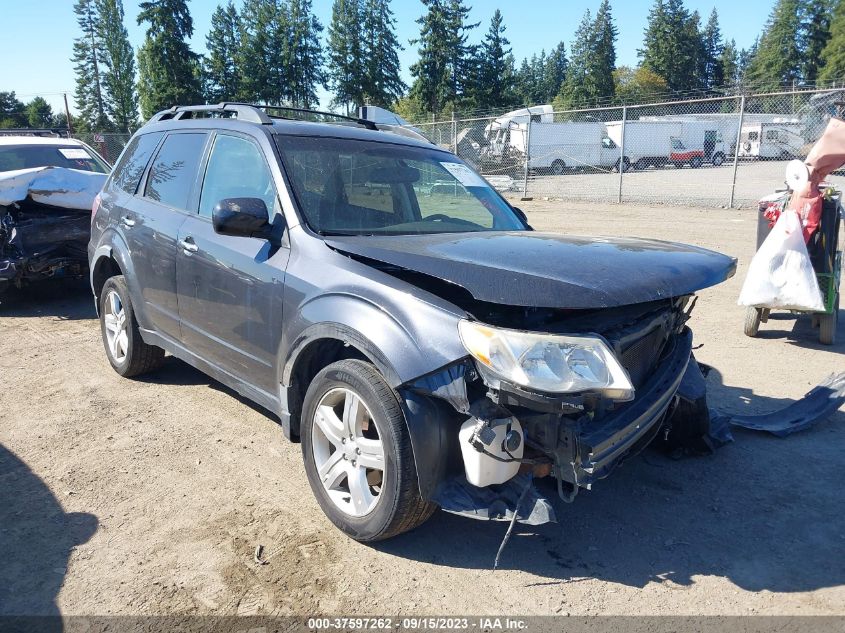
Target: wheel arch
<point>110,259</point>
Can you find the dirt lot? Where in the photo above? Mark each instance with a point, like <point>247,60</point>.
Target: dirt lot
<point>149,496</point>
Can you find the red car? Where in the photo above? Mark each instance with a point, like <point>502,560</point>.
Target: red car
<point>680,155</point>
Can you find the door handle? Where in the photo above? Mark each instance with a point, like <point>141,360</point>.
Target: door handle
<point>127,221</point>
<point>188,245</point>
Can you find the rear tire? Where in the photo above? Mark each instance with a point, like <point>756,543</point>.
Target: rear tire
<point>696,162</point>
<point>753,316</point>
<point>127,352</point>
<point>558,167</point>
<point>390,501</point>
<point>626,165</point>
<point>827,324</point>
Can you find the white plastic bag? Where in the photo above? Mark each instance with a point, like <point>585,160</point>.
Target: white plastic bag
<point>780,274</point>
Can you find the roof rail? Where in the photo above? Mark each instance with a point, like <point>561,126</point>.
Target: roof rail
<point>255,113</point>
<point>370,125</point>
<point>243,111</point>
<point>28,131</point>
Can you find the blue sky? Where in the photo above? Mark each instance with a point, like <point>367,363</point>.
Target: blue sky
<point>38,34</point>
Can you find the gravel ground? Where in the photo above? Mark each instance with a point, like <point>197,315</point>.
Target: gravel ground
<point>149,496</point>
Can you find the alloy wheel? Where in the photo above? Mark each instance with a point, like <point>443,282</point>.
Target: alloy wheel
<point>117,336</point>
<point>348,452</point>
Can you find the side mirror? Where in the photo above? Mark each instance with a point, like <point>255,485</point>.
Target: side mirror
<point>241,217</point>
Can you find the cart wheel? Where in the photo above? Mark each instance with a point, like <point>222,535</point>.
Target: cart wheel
<point>827,324</point>
<point>753,316</point>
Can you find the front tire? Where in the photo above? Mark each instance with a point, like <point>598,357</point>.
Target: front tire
<point>718,159</point>
<point>358,455</point>
<point>127,352</point>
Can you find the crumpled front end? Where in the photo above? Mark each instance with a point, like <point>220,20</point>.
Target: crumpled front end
<point>500,431</point>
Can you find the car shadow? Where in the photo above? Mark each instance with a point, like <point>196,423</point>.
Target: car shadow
<point>760,512</point>
<point>68,299</point>
<point>36,539</point>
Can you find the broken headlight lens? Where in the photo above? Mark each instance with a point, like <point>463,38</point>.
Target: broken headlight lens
<point>548,362</point>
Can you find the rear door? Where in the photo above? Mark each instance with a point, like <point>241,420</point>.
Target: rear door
<point>151,225</point>
<point>231,288</point>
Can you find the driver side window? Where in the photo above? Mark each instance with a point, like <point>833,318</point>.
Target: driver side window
<point>236,169</point>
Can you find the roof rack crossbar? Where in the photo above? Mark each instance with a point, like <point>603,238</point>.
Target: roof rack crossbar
<point>29,131</point>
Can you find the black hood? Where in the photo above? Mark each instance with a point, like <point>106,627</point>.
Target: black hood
<point>526,268</point>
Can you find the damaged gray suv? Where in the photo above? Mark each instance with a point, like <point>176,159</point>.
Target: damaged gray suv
<point>405,323</point>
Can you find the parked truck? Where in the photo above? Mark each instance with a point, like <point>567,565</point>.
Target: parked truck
<point>648,141</point>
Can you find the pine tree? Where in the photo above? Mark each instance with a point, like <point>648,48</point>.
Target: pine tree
<point>833,55</point>
<point>778,60</point>
<point>671,47</point>
<point>383,83</point>
<point>554,72</point>
<point>494,86</point>
<point>87,55</point>
<point>11,111</point>
<point>815,16</point>
<point>39,114</point>
<point>304,55</point>
<point>119,66</point>
<point>575,91</point>
<point>729,62</point>
<point>264,38</point>
<point>346,66</point>
<point>168,69</point>
<point>712,66</point>
<point>442,70</point>
<point>221,66</point>
<point>601,62</point>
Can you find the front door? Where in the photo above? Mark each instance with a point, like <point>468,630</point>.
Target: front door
<point>231,288</point>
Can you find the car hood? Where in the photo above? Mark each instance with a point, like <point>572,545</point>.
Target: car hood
<point>528,268</point>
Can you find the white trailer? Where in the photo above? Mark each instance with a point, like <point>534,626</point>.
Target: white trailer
<point>557,147</point>
<point>771,141</point>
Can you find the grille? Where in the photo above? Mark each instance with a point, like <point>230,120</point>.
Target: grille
<point>640,357</point>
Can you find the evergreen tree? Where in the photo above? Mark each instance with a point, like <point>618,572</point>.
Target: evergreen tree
<point>383,83</point>
<point>346,68</point>
<point>264,43</point>
<point>494,85</point>
<point>589,75</point>
<point>729,62</point>
<point>671,47</point>
<point>39,114</point>
<point>554,72</point>
<point>87,55</point>
<point>11,111</point>
<point>575,91</point>
<point>712,66</point>
<point>777,62</point>
<point>815,18</point>
<point>833,55</point>
<point>168,68</point>
<point>601,60</point>
<point>221,67</point>
<point>304,55</point>
<point>440,74</point>
<point>119,65</point>
<point>744,59</point>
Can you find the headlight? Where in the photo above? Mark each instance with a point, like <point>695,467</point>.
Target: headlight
<point>548,362</point>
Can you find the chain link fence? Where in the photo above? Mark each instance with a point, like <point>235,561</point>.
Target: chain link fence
<point>724,151</point>
<point>108,144</point>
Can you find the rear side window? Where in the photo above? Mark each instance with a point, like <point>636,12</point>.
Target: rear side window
<point>174,169</point>
<point>128,172</point>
